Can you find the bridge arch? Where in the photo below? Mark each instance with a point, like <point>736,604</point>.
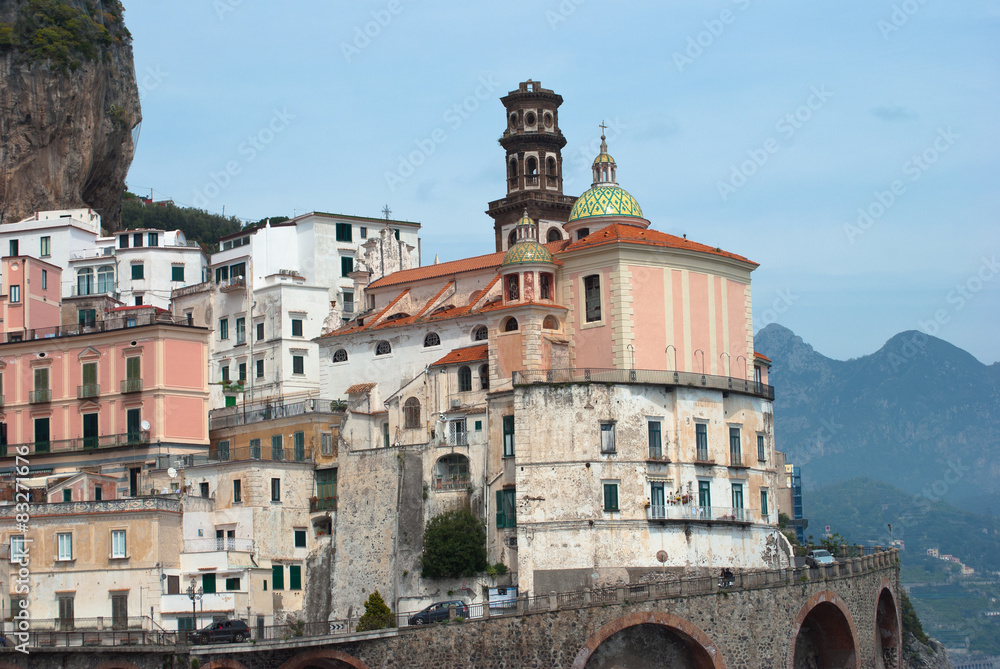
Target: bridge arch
<point>824,634</point>
<point>110,664</point>
<point>323,659</point>
<point>888,640</point>
<point>225,663</point>
<point>684,637</point>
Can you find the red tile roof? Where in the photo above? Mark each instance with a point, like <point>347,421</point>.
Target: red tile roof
<point>359,388</point>
<point>761,356</point>
<point>467,354</point>
<point>618,232</point>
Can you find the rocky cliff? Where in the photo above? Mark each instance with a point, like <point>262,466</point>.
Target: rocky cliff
<point>69,104</point>
<point>917,655</point>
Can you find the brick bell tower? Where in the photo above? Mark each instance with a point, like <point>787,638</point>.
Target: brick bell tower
<point>533,143</point>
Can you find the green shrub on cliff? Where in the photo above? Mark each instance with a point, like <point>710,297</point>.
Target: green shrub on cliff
<point>454,545</point>
<point>377,614</point>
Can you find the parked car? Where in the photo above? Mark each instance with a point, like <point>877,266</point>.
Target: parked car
<point>819,557</point>
<point>222,631</point>
<point>438,611</point>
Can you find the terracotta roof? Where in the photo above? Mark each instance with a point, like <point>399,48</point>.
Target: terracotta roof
<point>467,354</point>
<point>618,232</point>
<point>761,356</point>
<point>359,388</point>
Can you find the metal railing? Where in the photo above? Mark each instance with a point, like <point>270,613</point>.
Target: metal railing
<point>261,411</point>
<point>108,324</point>
<point>131,386</point>
<point>452,482</point>
<point>109,631</point>
<point>235,283</point>
<point>644,376</point>
<point>39,396</point>
<point>88,390</point>
<point>209,545</point>
<point>135,438</point>
<point>693,512</point>
<point>323,504</point>
<point>266,452</point>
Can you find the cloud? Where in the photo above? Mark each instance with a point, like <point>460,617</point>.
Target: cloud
<point>891,113</point>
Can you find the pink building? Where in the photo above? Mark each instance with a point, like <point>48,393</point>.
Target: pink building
<point>31,296</point>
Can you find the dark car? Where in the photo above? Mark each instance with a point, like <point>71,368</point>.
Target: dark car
<point>438,611</point>
<point>222,631</point>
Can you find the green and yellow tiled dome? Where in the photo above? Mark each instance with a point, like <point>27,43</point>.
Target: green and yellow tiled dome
<point>604,157</point>
<point>527,252</point>
<point>605,201</point>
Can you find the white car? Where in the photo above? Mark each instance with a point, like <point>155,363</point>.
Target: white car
<point>818,557</point>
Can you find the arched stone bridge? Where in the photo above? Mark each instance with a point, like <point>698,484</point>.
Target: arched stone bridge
<point>844,615</point>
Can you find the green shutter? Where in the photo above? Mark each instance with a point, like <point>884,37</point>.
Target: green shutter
<point>501,523</point>
<point>208,583</point>
<point>294,577</point>
<point>278,577</point>
<point>132,368</point>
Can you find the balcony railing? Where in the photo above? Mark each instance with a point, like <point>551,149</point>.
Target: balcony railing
<point>458,439</point>
<point>643,376</point>
<point>452,482</point>
<point>219,453</point>
<point>88,390</point>
<point>135,438</point>
<point>692,512</point>
<point>235,283</point>
<point>323,504</point>
<point>108,324</point>
<point>218,544</point>
<point>131,385</point>
<point>39,396</point>
<point>263,411</point>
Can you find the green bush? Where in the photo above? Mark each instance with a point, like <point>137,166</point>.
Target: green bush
<point>454,545</point>
<point>57,32</point>
<point>377,614</point>
<point>911,623</point>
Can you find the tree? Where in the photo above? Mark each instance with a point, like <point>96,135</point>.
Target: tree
<point>454,545</point>
<point>377,614</point>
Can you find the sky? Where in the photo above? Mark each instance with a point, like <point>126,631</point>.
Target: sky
<point>850,148</point>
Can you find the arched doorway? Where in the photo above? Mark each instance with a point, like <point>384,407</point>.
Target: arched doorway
<point>824,634</point>
<point>324,659</point>
<point>887,637</point>
<point>631,640</point>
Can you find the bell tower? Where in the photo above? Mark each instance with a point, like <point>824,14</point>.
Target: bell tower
<point>533,165</point>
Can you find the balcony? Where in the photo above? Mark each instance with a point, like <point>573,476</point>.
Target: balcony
<point>691,512</point>
<point>106,325</point>
<point>131,386</point>
<point>88,390</point>
<point>219,453</point>
<point>135,438</point>
<point>218,544</point>
<point>235,283</point>
<point>39,396</point>
<point>322,504</point>
<point>643,376</point>
<point>258,412</point>
<point>443,483</point>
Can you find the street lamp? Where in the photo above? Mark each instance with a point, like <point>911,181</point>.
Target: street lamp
<point>195,596</point>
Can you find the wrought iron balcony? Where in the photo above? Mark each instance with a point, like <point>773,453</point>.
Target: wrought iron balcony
<point>131,386</point>
<point>88,390</point>
<point>643,376</point>
<point>693,512</point>
<point>323,504</point>
<point>133,438</point>
<point>39,396</point>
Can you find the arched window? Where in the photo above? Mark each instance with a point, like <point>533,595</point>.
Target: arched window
<point>545,286</point>
<point>512,238</point>
<point>532,167</point>
<point>484,377</point>
<point>85,281</point>
<point>554,235</point>
<point>452,472</point>
<point>510,325</point>
<point>481,333</point>
<point>340,355</point>
<point>592,297</point>
<point>105,279</point>
<point>411,413</point>
<point>512,170</point>
<point>582,232</point>
<point>464,379</point>
<point>432,339</point>
<point>383,348</point>
<point>513,283</point>
<point>551,166</point>
<point>550,323</point>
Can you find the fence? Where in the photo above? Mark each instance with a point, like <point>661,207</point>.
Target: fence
<point>645,376</point>
<point>131,631</point>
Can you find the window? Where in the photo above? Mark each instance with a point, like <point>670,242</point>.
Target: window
<point>13,248</point>
<point>106,279</point>
<point>657,500</point>
<point>326,444</point>
<point>173,585</point>
<point>738,500</point>
<point>118,544</point>
<point>761,450</point>
<point>42,435</point>
<point>705,494</point>
<point>395,233</point>
<point>346,265</point>
<point>177,272</point>
<point>238,271</point>
<point>464,379</point>
<point>611,496</point>
<point>138,303</point>
<point>299,446</point>
<point>260,332</point>
<point>277,450</point>
<point>119,610</point>
<point>133,370</point>
<point>15,294</point>
<point>300,538</point>
<point>701,441</point>
<point>278,577</point>
<point>763,504</point>
<point>123,241</point>
<point>411,413</point>
<point>255,449</point>
<point>221,274</point>
<point>91,431</point>
<point>592,297</point>
<point>432,339</point>
<point>506,508</point>
<point>457,433</point>
<point>607,437</point>
<point>545,286</point>
<point>735,456</point>
<point>45,279</point>
<point>67,495</point>
<point>87,318</point>
<point>84,281</point>
<point>208,583</point>
<point>243,372</point>
<point>513,283</point>
<point>508,436</point>
<point>553,235</point>
<point>340,355</point>
<point>203,489</point>
<point>363,231</point>
<point>241,331</point>
<point>45,248</point>
<point>137,240</point>
<point>98,493</point>
<point>655,440</point>
<point>582,232</point>
<point>383,348</point>
<point>344,232</point>
<point>510,325</point>
<point>225,373</point>
<point>66,615</point>
<point>153,239</point>
<point>64,541</point>
<point>133,425</point>
<point>385,435</point>
<point>298,364</point>
<point>232,584</point>
<point>259,371</point>
<point>237,491</point>
<point>222,450</point>
<point>348,302</point>
<point>484,377</point>
<point>17,545</point>
<point>275,490</point>
<point>481,333</point>
<point>223,328</point>
<point>296,327</point>
<point>136,271</point>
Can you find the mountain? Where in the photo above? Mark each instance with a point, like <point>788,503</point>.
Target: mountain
<point>918,413</point>
<point>69,104</point>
